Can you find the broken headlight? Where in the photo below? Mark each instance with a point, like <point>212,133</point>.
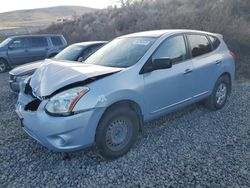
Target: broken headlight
<point>64,102</point>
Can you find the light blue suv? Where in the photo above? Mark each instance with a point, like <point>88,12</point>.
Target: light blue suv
<point>133,79</point>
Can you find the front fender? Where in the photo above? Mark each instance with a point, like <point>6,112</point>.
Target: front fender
<point>104,101</point>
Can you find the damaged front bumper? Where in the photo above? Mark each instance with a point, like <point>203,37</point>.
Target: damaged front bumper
<point>62,134</point>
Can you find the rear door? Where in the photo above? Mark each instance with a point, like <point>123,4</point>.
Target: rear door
<point>167,89</point>
<point>18,51</point>
<point>207,64</point>
<point>38,48</point>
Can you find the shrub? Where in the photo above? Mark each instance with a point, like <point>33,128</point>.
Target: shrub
<point>228,17</point>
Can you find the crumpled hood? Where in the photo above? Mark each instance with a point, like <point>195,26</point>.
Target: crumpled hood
<point>53,75</point>
<point>26,69</point>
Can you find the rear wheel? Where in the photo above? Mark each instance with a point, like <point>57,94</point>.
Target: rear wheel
<point>220,94</point>
<point>117,132</point>
<point>3,66</point>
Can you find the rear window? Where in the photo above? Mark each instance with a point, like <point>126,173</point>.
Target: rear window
<point>199,45</point>
<point>39,42</point>
<point>56,41</point>
<point>214,41</point>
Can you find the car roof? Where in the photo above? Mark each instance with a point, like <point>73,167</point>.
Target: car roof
<point>90,43</point>
<point>159,33</point>
<point>42,35</point>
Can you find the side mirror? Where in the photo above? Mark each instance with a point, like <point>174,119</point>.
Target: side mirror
<point>11,47</point>
<point>162,63</point>
<point>80,59</point>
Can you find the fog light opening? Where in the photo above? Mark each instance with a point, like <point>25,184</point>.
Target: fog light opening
<point>60,141</point>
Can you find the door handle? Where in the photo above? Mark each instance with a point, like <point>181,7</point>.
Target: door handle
<point>218,62</point>
<point>187,71</point>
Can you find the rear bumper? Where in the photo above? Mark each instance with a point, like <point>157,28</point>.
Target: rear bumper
<point>61,134</point>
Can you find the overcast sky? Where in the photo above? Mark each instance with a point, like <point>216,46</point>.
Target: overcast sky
<point>9,5</point>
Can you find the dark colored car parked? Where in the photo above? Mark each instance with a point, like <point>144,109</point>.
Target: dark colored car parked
<point>76,52</point>
<point>18,50</point>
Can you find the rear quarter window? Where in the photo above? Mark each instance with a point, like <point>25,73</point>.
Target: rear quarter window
<point>56,41</point>
<point>214,41</point>
<point>199,44</point>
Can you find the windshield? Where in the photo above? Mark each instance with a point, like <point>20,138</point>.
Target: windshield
<point>6,41</point>
<point>121,52</point>
<point>71,53</point>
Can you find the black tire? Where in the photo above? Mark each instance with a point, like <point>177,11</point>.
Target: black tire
<point>121,116</point>
<point>213,101</point>
<point>3,66</point>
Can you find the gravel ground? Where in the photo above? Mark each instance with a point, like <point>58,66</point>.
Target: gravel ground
<point>190,148</point>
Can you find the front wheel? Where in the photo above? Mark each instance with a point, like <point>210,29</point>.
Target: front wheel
<point>3,66</point>
<point>220,94</point>
<point>117,132</point>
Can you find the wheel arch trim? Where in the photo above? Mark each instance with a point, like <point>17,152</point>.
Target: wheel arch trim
<point>227,74</point>
<point>130,104</point>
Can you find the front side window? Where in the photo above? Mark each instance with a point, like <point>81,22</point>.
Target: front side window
<point>199,45</point>
<point>173,48</point>
<point>70,53</point>
<point>39,42</point>
<point>56,41</point>
<point>121,52</point>
<point>20,43</point>
<point>89,51</point>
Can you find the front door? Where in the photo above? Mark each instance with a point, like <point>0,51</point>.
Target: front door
<point>169,88</point>
<point>18,51</point>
